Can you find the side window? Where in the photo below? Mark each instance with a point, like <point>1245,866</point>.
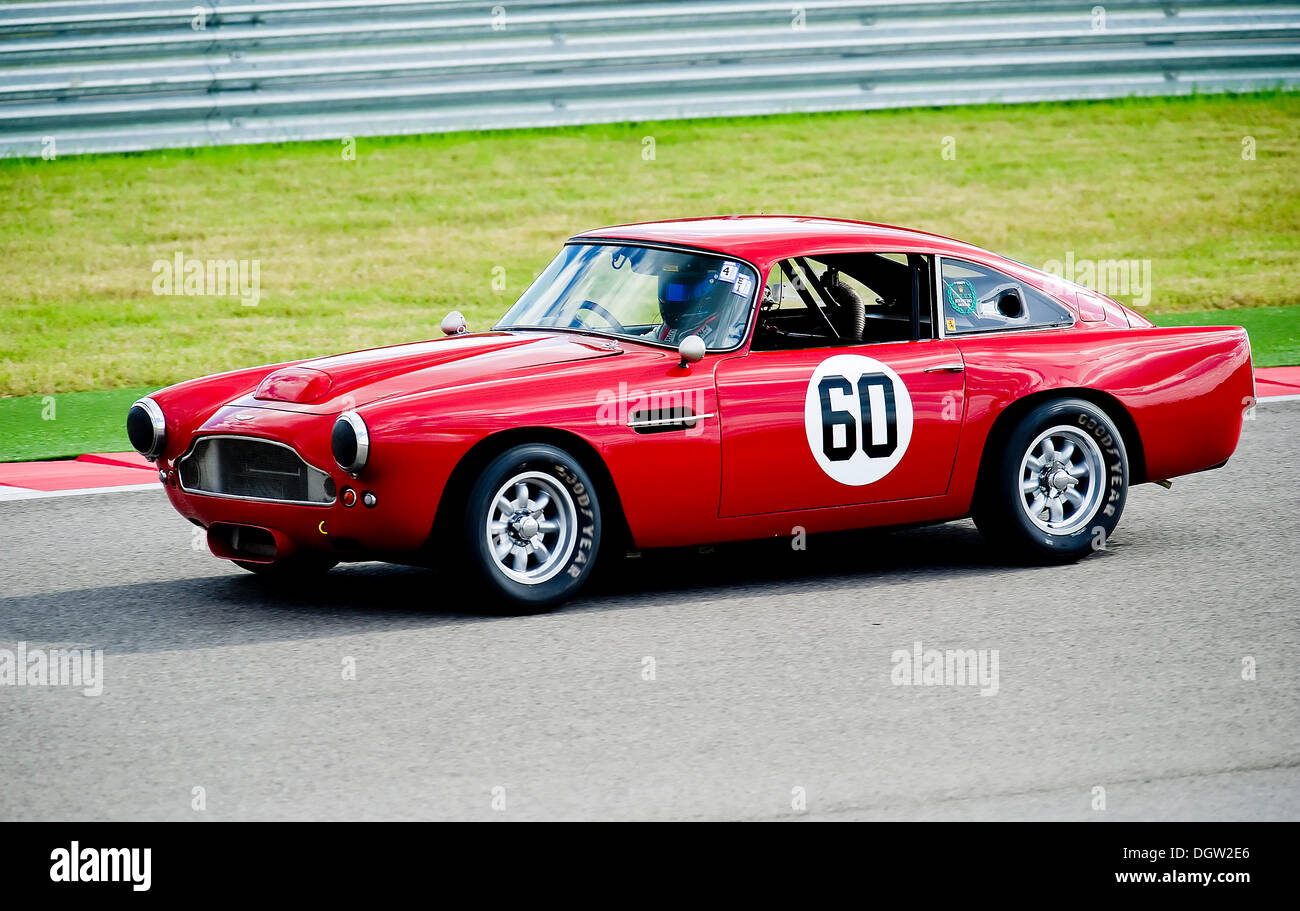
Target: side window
<point>840,299</point>
<point>975,298</point>
<point>780,293</point>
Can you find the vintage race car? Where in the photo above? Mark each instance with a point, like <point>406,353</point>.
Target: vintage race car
<point>705,380</point>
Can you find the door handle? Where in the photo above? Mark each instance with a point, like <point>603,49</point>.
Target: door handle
<point>946,368</point>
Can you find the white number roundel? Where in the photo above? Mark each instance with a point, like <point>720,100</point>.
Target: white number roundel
<point>858,416</point>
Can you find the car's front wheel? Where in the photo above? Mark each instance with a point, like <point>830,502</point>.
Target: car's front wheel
<point>1056,488</point>
<point>533,526</point>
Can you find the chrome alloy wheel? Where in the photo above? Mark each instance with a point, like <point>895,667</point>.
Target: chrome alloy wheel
<point>1062,480</point>
<point>531,527</point>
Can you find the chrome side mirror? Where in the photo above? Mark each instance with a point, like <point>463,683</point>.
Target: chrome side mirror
<point>691,349</point>
<point>453,323</point>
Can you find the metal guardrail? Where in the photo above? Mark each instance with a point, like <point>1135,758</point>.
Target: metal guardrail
<point>104,75</point>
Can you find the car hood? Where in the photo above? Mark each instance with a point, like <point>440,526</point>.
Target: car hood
<point>332,384</point>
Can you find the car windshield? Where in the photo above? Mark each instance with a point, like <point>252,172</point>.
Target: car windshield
<point>642,293</point>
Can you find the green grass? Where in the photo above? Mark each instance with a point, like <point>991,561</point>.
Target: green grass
<point>376,250</point>
<point>1274,331</point>
<point>61,426</point>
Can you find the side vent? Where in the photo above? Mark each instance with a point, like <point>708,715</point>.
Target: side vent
<point>664,420</point>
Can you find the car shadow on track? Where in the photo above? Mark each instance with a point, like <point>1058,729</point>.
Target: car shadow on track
<point>235,608</point>
<point>796,564</point>
<point>231,608</point>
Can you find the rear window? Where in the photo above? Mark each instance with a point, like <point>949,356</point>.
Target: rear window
<point>976,298</point>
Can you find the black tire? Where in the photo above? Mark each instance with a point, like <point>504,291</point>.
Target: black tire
<point>1002,505</point>
<point>570,547</point>
<point>295,566</point>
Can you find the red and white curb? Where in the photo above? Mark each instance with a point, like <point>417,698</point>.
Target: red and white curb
<point>122,472</point>
<point>1277,384</point>
<point>106,472</point>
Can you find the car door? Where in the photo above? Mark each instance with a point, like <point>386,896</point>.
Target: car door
<point>840,424</point>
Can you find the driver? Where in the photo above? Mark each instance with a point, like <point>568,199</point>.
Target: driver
<point>690,303</point>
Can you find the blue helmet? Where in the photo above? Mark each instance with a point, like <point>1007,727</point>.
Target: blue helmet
<point>687,299</point>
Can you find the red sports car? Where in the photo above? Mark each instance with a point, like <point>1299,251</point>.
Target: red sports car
<point>705,380</point>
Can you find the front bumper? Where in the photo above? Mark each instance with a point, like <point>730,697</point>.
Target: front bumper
<point>404,482</point>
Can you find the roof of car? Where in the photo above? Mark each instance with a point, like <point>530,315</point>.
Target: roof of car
<point>763,239</point>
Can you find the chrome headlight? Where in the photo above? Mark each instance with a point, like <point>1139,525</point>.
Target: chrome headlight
<point>146,428</point>
<point>350,442</point>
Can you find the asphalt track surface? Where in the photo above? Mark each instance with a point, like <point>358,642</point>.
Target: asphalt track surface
<point>772,672</point>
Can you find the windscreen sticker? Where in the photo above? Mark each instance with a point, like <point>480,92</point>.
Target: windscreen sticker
<point>950,324</point>
<point>961,296</point>
<point>728,272</point>
<point>858,419</point>
<point>744,284</point>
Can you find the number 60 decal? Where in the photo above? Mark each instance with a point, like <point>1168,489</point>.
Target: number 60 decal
<point>858,417</point>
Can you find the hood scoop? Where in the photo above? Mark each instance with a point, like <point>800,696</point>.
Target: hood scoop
<point>301,385</point>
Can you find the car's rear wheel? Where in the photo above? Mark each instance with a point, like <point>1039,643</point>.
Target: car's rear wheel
<point>1056,488</point>
<point>533,526</point>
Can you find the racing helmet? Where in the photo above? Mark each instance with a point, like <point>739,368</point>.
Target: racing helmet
<point>688,297</point>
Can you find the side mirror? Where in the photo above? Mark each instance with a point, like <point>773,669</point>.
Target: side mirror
<point>453,323</point>
<point>691,349</point>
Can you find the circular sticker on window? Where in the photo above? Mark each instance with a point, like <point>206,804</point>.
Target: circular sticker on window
<point>858,417</point>
<point>961,296</point>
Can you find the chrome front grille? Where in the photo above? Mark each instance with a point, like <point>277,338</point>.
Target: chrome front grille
<point>246,468</point>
